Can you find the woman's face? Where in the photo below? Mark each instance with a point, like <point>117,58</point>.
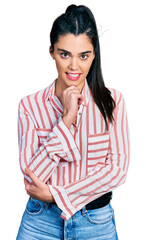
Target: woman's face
<point>73,55</point>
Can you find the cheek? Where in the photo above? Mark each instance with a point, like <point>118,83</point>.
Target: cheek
<point>61,66</point>
<point>87,66</point>
<point>90,63</point>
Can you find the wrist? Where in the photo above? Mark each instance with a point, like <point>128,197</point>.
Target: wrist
<point>67,120</point>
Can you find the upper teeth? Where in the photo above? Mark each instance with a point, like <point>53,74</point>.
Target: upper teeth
<point>73,75</point>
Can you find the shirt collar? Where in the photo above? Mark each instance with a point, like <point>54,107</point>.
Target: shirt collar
<point>53,98</point>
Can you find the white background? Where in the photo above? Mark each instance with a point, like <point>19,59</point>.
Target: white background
<point>27,67</point>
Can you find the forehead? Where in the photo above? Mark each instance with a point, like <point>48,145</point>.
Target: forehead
<point>71,42</point>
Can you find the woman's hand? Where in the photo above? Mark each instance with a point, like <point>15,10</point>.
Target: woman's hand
<point>71,99</point>
<point>37,189</point>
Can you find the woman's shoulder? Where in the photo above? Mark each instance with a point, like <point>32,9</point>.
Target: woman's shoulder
<point>34,98</point>
<point>116,94</point>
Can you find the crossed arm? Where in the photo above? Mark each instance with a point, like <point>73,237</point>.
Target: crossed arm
<point>74,196</point>
<point>37,163</point>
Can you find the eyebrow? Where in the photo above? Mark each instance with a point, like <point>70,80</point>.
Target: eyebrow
<point>69,52</point>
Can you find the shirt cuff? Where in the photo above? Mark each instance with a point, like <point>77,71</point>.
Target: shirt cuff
<point>63,202</point>
<point>67,140</point>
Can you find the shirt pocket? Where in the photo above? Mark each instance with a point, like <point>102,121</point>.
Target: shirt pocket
<point>97,149</point>
<point>43,134</point>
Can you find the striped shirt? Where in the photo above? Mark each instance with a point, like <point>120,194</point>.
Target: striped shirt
<point>79,164</point>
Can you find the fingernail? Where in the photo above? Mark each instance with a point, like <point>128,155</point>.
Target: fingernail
<point>26,169</point>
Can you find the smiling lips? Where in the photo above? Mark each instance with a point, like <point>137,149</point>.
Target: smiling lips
<point>73,76</point>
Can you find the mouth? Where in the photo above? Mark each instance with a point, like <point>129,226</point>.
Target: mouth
<point>73,76</point>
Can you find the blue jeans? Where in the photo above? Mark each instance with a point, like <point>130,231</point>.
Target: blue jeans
<point>42,221</point>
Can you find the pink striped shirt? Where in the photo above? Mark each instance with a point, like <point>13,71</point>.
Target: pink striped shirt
<point>79,164</point>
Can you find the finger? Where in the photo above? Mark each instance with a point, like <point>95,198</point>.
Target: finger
<point>70,91</point>
<point>80,101</point>
<point>31,188</point>
<point>29,193</point>
<point>25,181</point>
<point>34,196</point>
<point>33,177</point>
<point>77,96</point>
<point>72,88</point>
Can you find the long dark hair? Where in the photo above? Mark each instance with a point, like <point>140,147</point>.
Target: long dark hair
<point>80,20</point>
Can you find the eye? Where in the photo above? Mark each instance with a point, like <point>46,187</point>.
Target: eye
<point>84,57</point>
<point>64,55</point>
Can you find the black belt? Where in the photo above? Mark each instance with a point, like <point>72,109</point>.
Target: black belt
<point>98,203</point>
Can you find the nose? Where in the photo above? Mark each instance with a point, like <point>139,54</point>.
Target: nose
<point>74,64</point>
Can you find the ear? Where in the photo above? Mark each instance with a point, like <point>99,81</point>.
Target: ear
<point>51,52</point>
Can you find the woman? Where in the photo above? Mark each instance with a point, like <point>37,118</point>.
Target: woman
<point>73,140</point>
